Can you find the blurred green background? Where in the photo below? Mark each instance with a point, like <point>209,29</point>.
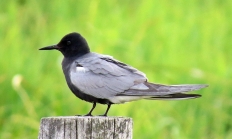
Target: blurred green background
<point>173,42</point>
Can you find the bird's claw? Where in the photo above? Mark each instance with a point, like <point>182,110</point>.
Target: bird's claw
<point>103,115</point>
<point>85,115</point>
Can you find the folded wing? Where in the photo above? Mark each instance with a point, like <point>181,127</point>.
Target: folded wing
<point>104,77</point>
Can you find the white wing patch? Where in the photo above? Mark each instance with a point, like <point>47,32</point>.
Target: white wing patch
<point>81,69</point>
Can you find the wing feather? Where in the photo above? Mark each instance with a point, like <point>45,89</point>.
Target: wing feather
<point>103,78</point>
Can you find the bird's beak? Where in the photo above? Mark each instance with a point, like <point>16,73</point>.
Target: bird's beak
<point>52,47</point>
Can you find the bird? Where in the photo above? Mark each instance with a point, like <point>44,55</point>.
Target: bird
<point>98,78</point>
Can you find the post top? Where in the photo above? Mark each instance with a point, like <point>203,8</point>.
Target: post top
<point>89,127</point>
<point>88,117</point>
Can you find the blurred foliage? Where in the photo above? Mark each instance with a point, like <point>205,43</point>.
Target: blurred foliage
<point>173,42</point>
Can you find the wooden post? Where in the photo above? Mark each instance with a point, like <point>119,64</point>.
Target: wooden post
<point>79,127</point>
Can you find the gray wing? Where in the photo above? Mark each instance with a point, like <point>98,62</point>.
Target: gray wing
<point>103,77</point>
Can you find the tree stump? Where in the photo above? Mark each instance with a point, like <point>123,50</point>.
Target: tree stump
<point>79,127</point>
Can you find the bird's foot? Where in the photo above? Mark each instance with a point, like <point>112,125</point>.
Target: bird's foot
<point>85,115</point>
<point>88,114</point>
<point>103,115</point>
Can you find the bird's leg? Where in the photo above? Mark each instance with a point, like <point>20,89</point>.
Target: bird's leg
<point>90,112</point>
<point>108,107</point>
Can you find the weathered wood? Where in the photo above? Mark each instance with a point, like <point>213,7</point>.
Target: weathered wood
<point>78,127</point>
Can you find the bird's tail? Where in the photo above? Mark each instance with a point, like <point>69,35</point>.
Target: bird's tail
<point>164,92</point>
<point>178,96</point>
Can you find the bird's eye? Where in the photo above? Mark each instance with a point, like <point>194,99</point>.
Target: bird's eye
<point>68,42</point>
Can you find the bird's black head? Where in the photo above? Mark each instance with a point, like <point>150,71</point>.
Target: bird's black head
<point>70,45</point>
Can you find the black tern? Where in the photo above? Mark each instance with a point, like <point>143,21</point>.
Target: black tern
<point>98,78</point>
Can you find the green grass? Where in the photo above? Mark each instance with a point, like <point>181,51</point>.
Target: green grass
<point>173,42</point>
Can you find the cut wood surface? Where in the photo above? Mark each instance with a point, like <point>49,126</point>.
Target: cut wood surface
<point>85,127</point>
